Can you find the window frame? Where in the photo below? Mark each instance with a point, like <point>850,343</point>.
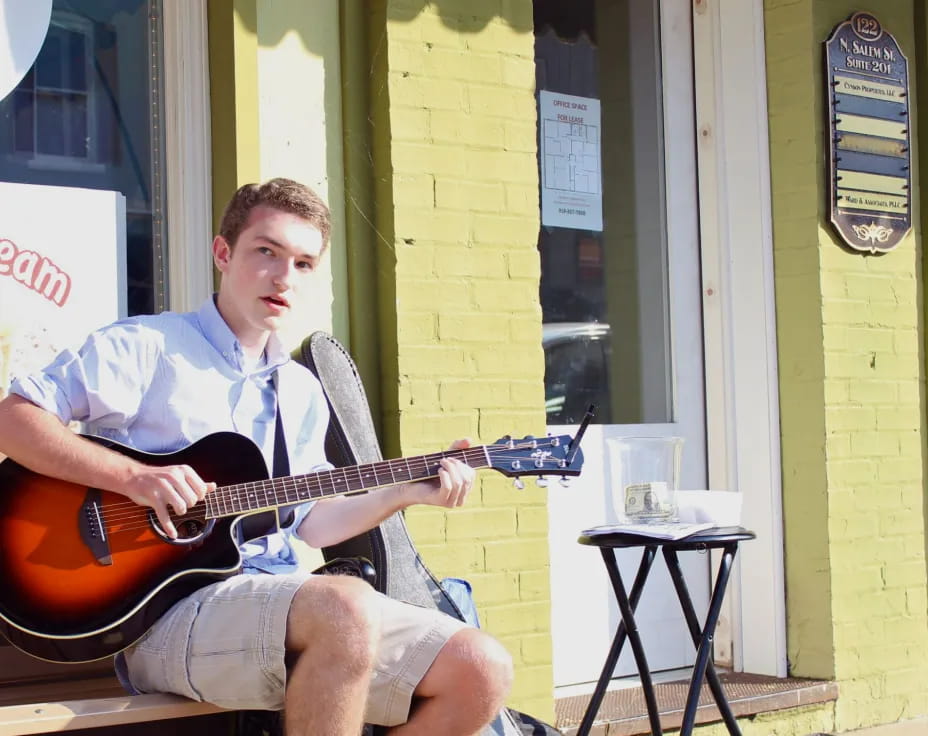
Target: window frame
<point>188,180</point>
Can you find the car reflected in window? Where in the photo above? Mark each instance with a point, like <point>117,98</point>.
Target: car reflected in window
<point>577,356</point>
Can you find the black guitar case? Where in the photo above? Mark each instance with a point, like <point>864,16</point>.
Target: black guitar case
<point>400,571</point>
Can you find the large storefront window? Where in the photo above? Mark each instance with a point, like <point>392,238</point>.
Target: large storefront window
<point>603,239</point>
<point>88,114</point>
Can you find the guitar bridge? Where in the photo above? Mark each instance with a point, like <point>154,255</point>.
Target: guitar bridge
<point>93,529</point>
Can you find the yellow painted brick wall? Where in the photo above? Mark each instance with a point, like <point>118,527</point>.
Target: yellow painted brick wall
<point>455,115</point>
<point>852,420</point>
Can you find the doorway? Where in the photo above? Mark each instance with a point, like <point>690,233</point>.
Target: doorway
<point>620,294</point>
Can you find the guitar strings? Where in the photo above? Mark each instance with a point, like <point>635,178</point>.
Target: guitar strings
<point>233,491</point>
<point>124,513</point>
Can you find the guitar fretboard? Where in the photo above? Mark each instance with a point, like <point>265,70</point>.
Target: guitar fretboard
<point>274,492</point>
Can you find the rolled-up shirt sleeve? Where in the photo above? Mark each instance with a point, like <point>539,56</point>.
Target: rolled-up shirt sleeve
<point>102,382</point>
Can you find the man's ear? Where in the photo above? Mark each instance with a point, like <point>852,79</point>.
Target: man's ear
<point>222,253</point>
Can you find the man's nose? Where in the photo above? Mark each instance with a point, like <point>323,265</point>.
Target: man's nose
<point>283,275</point>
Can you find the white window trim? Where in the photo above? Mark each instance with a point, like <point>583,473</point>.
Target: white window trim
<point>187,153</point>
<point>742,410</point>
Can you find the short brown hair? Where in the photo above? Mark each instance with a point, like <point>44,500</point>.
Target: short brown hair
<point>281,194</point>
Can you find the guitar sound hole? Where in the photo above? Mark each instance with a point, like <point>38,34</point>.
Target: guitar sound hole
<point>190,530</point>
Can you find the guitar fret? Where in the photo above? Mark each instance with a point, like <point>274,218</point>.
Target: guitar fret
<point>269,493</point>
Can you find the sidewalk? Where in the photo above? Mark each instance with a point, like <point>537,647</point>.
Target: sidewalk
<point>918,727</point>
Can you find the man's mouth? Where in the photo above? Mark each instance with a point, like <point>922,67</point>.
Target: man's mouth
<point>276,301</point>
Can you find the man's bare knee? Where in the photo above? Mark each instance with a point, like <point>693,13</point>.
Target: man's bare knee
<point>476,658</point>
<point>336,617</point>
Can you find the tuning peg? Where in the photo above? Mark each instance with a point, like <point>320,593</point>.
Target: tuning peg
<point>541,481</point>
<point>517,483</point>
<point>564,481</point>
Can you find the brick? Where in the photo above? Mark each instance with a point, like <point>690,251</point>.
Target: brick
<point>502,295</point>
<point>505,166</point>
<point>417,327</point>
<point>524,264</point>
<point>408,124</point>
<point>449,559</point>
<point>481,523</point>
<point>467,261</point>
<point>518,617</point>
<point>518,72</point>
<point>896,417</point>
<point>519,14</point>
<point>470,394</point>
<point>470,196</point>
<point>533,521</point>
<point>535,584</point>
<point>905,574</point>
<point>532,682</point>
<point>407,91</point>
<point>427,526</point>
<point>420,393</point>
<point>414,190</point>
<point>522,198</point>
<point>424,28</point>
<point>428,158</point>
<point>494,588</point>
<point>497,35</point>
<point>429,294</point>
<point>536,649</point>
<point>432,225</point>
<point>486,328</point>
<point>472,130</point>
<point>520,135</point>
<point>518,554</point>
<point>528,393</point>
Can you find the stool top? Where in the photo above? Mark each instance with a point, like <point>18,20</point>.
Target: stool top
<point>608,536</point>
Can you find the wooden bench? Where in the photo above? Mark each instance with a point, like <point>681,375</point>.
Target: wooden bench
<point>88,704</point>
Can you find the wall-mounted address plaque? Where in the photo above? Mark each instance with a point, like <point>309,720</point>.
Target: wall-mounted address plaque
<point>869,152</point>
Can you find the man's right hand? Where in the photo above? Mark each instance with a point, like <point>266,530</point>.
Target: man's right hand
<point>159,487</point>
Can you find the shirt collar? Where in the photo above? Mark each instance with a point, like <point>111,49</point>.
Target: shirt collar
<point>220,336</point>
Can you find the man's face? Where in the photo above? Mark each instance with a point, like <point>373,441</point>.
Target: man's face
<point>275,258</point>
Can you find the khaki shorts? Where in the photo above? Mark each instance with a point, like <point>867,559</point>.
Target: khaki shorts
<point>225,645</point>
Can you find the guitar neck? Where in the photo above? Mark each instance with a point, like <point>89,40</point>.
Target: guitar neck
<point>238,498</point>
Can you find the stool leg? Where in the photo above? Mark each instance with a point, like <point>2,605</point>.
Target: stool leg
<point>634,638</point>
<point>644,567</point>
<point>702,639</point>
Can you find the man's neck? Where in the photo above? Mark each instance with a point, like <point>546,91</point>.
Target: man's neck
<point>253,342</point>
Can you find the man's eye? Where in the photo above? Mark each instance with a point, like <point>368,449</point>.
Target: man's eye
<point>264,250</point>
<point>305,265</point>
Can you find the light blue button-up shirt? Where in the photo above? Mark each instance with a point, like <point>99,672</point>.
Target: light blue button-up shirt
<point>158,383</point>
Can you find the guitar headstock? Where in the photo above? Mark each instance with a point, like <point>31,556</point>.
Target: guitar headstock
<point>535,456</point>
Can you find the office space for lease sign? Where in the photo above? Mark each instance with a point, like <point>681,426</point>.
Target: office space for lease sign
<point>62,270</point>
<point>869,135</point>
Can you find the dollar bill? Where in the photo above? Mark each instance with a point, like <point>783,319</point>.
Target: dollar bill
<point>648,500</point>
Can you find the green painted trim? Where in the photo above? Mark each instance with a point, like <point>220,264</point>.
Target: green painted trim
<point>361,234</point>
<point>233,79</point>
<point>919,65</point>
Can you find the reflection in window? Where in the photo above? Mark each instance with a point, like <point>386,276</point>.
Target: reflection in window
<point>52,103</point>
<point>87,115</point>
<point>603,56</point>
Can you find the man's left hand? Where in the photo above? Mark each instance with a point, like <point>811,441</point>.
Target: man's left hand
<point>454,482</point>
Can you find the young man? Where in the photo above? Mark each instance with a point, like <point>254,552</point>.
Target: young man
<point>328,649</point>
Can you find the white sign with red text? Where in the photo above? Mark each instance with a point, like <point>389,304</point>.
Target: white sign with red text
<point>62,270</point>
<point>571,170</point>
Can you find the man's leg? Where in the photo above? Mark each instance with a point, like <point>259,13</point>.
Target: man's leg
<point>333,630</point>
<point>463,690</point>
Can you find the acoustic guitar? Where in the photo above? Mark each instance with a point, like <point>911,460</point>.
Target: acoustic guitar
<point>84,573</point>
